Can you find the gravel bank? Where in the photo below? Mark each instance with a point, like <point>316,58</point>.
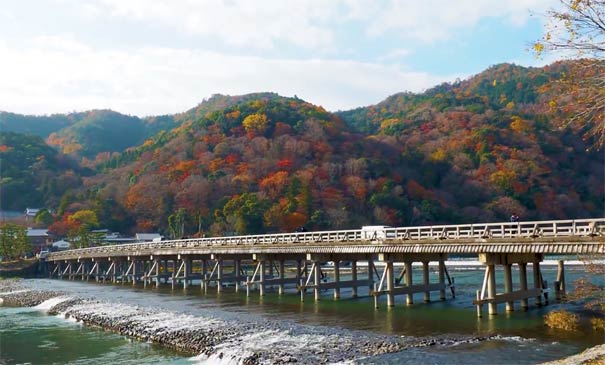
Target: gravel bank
<point>592,356</point>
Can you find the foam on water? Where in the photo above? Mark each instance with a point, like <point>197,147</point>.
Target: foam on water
<point>236,350</point>
<point>48,304</point>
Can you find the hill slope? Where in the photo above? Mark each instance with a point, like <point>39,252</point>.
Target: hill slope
<point>475,150</point>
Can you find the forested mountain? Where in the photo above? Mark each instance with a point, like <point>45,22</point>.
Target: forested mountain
<point>33,174</point>
<point>474,150</point>
<point>88,134</point>
<point>41,126</point>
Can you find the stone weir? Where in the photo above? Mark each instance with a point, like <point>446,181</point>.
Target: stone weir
<point>314,261</point>
<point>218,339</point>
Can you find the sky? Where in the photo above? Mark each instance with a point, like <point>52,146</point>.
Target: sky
<point>153,57</point>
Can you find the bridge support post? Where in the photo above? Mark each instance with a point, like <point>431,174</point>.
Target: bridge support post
<point>282,276</point>
<point>186,271</point>
<point>425,277</point>
<point>442,278</point>
<point>537,281</point>
<point>492,306</point>
<point>165,271</point>
<point>97,276</point>
<point>560,291</point>
<point>508,286</point>
<point>114,270</point>
<point>337,278</point>
<point>488,293</point>
<point>409,298</point>
<point>261,274</point>
<point>371,269</point>
<point>173,275</point>
<point>354,278</point>
<point>156,263</point>
<point>237,267</point>
<point>133,275</point>
<point>219,274</point>
<point>299,271</point>
<point>390,278</point>
<point>204,283</point>
<point>316,279</point>
<point>523,283</point>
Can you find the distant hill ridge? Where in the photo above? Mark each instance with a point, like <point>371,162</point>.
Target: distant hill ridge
<point>469,151</point>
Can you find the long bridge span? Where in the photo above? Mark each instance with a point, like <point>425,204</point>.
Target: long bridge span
<point>296,261</point>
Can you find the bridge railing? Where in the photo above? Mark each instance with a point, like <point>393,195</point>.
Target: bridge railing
<point>561,228</point>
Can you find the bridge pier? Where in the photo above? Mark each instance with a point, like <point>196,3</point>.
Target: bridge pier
<point>560,291</point>
<point>488,294</point>
<point>320,278</point>
<point>388,287</point>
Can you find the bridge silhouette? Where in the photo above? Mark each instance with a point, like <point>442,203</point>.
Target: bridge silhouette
<point>297,261</point>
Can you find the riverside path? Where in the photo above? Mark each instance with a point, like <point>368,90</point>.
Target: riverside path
<point>299,261</point>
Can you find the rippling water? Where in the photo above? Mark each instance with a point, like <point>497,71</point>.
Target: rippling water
<point>30,336</point>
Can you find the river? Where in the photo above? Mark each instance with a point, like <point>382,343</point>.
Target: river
<point>451,330</point>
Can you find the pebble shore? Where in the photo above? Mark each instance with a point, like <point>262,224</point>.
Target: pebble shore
<point>206,337</point>
<point>219,339</point>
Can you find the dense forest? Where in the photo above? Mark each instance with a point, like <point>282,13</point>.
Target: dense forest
<point>469,151</point>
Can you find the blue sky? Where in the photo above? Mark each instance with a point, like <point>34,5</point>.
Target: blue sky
<point>149,57</point>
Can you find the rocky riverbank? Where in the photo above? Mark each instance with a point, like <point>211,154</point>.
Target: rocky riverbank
<point>227,340</point>
<point>208,337</point>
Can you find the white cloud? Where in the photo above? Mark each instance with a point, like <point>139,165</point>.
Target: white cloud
<point>312,24</point>
<point>257,24</point>
<point>58,75</point>
<point>432,20</point>
<point>6,14</point>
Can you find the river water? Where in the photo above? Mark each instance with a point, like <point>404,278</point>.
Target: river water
<point>30,336</point>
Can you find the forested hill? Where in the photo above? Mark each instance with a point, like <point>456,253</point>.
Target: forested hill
<point>90,133</point>
<point>472,151</point>
<point>33,173</point>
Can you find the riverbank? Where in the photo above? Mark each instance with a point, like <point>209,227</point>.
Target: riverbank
<point>209,338</point>
<point>238,338</point>
<point>27,268</point>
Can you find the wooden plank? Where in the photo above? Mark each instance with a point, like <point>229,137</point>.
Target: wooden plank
<point>340,284</point>
<point>509,297</point>
<point>413,289</point>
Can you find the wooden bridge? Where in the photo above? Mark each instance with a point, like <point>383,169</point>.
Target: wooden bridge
<point>297,261</point>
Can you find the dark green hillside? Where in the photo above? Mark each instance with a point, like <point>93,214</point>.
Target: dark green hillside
<point>41,126</point>
<point>33,174</point>
<point>100,131</point>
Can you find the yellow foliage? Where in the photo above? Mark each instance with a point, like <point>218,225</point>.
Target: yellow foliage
<point>519,125</point>
<point>562,319</point>
<point>495,83</point>
<point>538,48</point>
<point>438,155</point>
<point>256,123</point>
<point>598,324</point>
<point>84,217</point>
<point>510,105</point>
<point>388,122</point>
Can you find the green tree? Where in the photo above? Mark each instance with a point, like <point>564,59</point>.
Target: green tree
<point>43,218</point>
<point>13,241</point>
<point>82,237</point>
<point>85,218</point>
<point>176,223</point>
<point>247,212</point>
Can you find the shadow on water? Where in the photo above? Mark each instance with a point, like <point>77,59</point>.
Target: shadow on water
<point>453,316</point>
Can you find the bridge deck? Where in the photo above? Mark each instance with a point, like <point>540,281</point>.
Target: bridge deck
<point>583,236</point>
